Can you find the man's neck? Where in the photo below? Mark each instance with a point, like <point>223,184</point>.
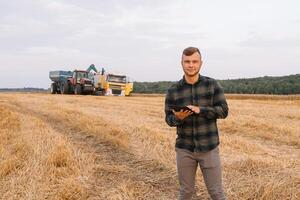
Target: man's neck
<point>191,79</point>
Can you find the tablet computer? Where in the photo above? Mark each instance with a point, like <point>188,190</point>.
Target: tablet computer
<point>178,108</point>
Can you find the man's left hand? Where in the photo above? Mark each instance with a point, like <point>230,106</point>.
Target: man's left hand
<point>195,109</point>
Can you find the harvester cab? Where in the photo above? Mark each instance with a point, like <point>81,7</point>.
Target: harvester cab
<point>114,84</point>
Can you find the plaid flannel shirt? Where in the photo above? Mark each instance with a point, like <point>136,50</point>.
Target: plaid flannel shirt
<point>197,132</point>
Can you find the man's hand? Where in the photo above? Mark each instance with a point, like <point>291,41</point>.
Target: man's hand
<point>182,114</point>
<point>195,109</point>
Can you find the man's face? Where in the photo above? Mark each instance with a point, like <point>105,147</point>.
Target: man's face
<point>191,64</point>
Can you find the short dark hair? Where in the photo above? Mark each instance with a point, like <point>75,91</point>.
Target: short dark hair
<point>190,51</point>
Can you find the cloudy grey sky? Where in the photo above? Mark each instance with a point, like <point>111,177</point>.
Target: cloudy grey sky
<point>144,39</point>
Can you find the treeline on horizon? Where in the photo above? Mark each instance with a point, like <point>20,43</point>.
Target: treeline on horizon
<point>261,85</point>
<point>25,89</point>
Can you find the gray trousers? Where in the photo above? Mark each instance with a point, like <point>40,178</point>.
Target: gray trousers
<point>210,165</point>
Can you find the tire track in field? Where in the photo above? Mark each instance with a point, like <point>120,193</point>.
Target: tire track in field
<point>118,174</point>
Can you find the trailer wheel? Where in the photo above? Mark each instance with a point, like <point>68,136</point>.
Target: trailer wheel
<point>65,88</point>
<point>78,90</point>
<point>53,88</point>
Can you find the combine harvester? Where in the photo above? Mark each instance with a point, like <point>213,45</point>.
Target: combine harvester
<point>67,82</point>
<point>110,84</point>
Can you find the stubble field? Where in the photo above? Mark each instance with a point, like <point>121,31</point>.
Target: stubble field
<point>95,147</point>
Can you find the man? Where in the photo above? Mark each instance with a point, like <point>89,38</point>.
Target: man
<point>202,102</point>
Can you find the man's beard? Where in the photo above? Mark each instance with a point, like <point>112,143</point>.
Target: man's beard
<point>191,75</point>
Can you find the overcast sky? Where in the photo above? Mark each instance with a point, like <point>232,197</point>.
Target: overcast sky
<point>145,39</point>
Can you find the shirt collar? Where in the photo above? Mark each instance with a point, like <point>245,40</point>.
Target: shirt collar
<point>183,81</point>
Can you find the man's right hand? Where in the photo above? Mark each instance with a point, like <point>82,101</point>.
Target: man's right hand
<point>182,114</point>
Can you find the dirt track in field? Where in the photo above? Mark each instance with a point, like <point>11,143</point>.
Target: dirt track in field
<point>116,168</point>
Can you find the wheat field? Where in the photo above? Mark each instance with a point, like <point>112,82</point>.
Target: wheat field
<point>96,147</point>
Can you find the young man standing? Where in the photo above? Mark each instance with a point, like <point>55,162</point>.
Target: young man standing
<point>193,105</point>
